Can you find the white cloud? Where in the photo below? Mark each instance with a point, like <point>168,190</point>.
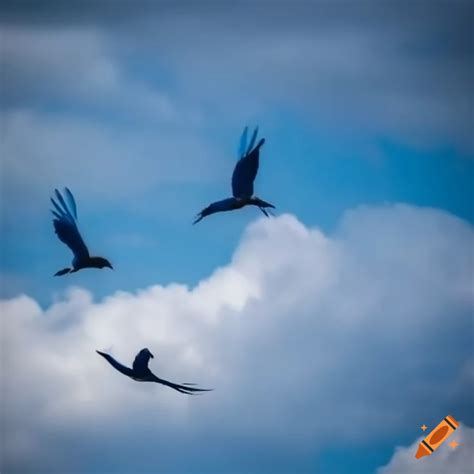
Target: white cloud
<point>445,460</point>
<point>306,337</point>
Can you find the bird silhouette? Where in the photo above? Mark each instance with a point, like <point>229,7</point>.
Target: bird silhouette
<point>65,226</point>
<point>243,178</point>
<point>141,373</point>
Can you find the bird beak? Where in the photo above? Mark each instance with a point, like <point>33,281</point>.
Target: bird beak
<point>111,267</point>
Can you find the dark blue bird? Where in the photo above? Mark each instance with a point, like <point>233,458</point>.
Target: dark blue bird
<point>141,373</point>
<point>65,226</point>
<point>242,180</point>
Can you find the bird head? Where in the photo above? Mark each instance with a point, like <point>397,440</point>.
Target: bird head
<point>101,262</point>
<point>261,203</point>
<point>147,352</point>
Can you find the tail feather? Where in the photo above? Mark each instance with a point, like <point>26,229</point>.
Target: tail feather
<point>62,272</point>
<point>184,388</point>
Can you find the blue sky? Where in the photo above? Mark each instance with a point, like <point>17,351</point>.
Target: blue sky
<point>367,113</point>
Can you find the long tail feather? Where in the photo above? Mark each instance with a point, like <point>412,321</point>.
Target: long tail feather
<point>62,272</point>
<point>182,388</point>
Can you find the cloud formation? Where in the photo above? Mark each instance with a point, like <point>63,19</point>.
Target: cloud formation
<point>403,70</point>
<point>459,460</point>
<point>307,338</point>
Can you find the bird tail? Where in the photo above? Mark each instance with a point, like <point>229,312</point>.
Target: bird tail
<point>62,272</point>
<point>183,388</point>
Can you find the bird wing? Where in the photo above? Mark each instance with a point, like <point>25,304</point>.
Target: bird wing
<point>116,365</point>
<point>252,141</point>
<point>184,388</point>
<point>65,224</point>
<point>246,169</point>
<point>227,204</point>
<point>140,364</point>
<point>71,202</point>
<point>243,142</point>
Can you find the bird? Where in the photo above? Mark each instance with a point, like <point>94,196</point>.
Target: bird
<point>65,226</point>
<point>141,373</point>
<point>243,178</point>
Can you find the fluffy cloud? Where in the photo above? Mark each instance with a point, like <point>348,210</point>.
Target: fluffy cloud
<point>305,337</point>
<point>459,461</point>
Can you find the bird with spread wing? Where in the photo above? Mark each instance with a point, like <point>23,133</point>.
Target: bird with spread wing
<point>243,179</point>
<point>65,226</point>
<point>141,373</point>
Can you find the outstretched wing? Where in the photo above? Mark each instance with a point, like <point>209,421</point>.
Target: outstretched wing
<point>228,204</point>
<point>252,141</point>
<point>65,224</point>
<point>140,364</point>
<point>184,388</point>
<point>116,365</point>
<point>246,169</point>
<point>243,142</point>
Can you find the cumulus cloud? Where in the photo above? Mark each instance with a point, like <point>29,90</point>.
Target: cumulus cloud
<point>306,338</point>
<point>446,459</point>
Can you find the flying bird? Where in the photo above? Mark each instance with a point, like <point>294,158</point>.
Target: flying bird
<point>141,373</point>
<point>243,178</point>
<point>65,226</point>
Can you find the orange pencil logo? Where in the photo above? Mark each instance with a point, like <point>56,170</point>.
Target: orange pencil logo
<point>437,437</point>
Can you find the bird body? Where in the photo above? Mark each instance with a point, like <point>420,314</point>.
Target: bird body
<point>243,179</point>
<point>140,372</point>
<point>65,226</point>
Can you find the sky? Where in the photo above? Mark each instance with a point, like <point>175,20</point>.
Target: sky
<point>326,331</point>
